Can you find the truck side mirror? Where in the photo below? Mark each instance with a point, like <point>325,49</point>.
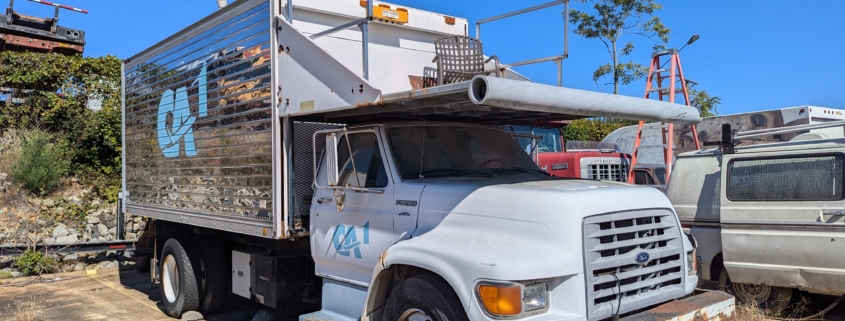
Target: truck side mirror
<point>331,159</point>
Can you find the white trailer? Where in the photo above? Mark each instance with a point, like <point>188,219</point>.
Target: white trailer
<point>317,170</point>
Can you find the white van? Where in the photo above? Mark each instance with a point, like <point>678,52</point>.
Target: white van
<point>768,218</point>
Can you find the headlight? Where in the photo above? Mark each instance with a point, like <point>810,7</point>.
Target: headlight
<point>691,262</point>
<point>510,299</point>
<point>534,297</point>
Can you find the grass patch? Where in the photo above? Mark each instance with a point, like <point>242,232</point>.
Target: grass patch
<point>5,275</point>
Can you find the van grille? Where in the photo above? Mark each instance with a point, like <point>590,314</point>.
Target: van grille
<point>612,243</point>
<point>608,172</point>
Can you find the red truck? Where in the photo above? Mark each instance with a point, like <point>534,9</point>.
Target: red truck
<point>589,160</point>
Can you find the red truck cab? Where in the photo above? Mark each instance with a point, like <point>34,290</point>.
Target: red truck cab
<point>588,160</point>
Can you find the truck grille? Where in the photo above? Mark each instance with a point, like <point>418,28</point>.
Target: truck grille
<point>612,243</point>
<point>608,172</point>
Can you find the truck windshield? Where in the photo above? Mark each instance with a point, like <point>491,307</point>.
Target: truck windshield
<point>549,138</point>
<point>435,151</point>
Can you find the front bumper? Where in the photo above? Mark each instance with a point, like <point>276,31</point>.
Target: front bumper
<point>702,306</point>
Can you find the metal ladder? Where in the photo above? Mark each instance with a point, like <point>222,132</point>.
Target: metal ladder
<point>665,89</point>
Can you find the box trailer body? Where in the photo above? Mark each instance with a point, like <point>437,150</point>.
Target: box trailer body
<point>286,157</point>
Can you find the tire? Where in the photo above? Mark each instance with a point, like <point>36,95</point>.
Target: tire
<point>215,274</point>
<point>180,282</point>
<point>142,262</point>
<point>770,300</point>
<point>424,296</point>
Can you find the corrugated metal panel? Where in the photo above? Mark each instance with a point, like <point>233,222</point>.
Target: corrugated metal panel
<point>199,123</point>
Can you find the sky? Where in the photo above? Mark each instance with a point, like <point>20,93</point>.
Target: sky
<point>755,55</point>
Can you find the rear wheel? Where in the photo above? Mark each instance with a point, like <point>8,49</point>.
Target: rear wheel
<point>215,273</point>
<point>424,298</point>
<point>768,299</point>
<point>180,285</point>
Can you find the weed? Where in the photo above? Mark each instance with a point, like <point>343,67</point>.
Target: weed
<point>5,275</point>
<point>26,309</point>
<point>33,262</point>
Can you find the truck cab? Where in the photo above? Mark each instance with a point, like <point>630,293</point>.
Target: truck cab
<point>439,195</point>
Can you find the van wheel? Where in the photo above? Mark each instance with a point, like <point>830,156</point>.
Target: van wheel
<point>180,285</point>
<point>767,299</point>
<point>215,273</point>
<point>424,298</point>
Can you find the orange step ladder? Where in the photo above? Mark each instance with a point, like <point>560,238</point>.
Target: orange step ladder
<point>657,73</point>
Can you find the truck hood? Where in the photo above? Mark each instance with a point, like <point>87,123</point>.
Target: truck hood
<point>550,202</point>
<point>511,223</point>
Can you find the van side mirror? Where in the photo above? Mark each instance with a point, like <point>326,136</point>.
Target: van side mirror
<point>331,159</point>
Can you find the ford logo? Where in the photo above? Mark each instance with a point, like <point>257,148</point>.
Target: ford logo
<point>642,258</point>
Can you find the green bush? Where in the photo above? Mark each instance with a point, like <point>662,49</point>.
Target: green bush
<point>55,91</point>
<point>33,262</point>
<point>42,163</point>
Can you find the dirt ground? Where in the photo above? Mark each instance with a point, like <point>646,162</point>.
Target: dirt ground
<point>110,294</point>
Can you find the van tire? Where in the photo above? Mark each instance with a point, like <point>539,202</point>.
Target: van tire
<point>215,273</point>
<point>425,294</point>
<point>771,300</point>
<point>180,285</point>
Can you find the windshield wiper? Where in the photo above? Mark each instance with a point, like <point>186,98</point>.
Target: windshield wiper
<point>454,172</point>
<point>520,169</point>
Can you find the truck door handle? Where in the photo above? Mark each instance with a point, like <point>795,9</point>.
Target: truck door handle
<point>324,200</point>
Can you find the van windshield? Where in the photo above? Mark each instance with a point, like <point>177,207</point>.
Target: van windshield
<point>436,151</point>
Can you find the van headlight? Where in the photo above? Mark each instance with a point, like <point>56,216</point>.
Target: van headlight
<point>692,262</point>
<point>510,299</point>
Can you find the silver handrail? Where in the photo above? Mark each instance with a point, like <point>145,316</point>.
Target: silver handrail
<point>557,59</point>
<point>784,130</point>
<point>363,24</point>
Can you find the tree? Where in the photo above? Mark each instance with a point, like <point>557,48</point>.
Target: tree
<point>615,19</point>
<point>706,104</point>
<point>593,129</point>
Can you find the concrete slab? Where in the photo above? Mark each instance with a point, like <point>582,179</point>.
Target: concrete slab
<point>107,295</point>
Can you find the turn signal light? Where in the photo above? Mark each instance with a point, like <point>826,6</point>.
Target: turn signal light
<point>501,300</point>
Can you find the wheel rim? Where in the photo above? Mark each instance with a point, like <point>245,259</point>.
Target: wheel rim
<point>414,315</point>
<point>170,278</point>
<point>753,292</point>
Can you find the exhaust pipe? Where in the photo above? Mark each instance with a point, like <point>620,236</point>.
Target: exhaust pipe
<point>222,3</point>
<point>528,96</point>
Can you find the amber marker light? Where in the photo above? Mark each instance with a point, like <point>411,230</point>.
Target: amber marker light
<point>501,300</point>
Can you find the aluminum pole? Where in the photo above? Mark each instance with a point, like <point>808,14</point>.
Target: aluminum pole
<point>365,41</point>
<point>290,11</point>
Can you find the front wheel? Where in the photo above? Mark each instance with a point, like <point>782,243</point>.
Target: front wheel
<point>768,299</point>
<point>424,298</point>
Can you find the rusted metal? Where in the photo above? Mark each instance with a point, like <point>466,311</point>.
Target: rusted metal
<point>704,306</point>
<point>40,44</point>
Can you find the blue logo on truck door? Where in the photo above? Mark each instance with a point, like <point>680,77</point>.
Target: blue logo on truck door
<point>176,107</point>
<point>345,239</point>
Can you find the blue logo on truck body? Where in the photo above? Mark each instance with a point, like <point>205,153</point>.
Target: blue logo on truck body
<point>176,107</point>
<point>345,239</point>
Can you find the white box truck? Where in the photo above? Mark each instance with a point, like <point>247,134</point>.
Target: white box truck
<point>319,171</point>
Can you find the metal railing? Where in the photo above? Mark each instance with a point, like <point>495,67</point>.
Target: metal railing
<point>363,24</point>
<point>557,59</point>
